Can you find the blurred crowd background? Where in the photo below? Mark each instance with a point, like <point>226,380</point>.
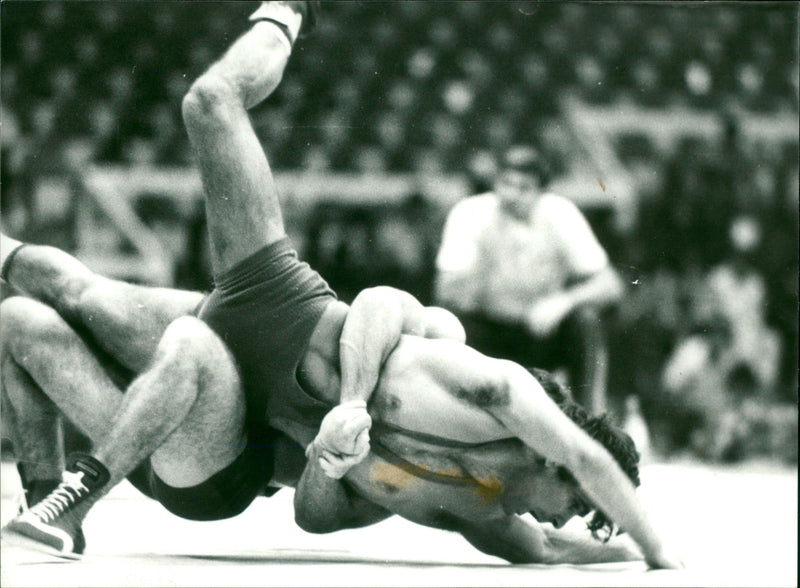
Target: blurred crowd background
<point>392,111</point>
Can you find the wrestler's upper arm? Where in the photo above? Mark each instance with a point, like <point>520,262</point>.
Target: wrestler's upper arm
<point>442,324</point>
<point>528,411</point>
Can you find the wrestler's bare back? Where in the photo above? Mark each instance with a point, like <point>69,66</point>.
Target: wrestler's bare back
<point>426,386</point>
<point>432,386</point>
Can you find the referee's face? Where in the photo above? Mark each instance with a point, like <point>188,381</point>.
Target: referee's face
<point>517,192</point>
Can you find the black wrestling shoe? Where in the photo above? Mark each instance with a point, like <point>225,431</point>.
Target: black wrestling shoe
<point>34,492</point>
<point>54,523</point>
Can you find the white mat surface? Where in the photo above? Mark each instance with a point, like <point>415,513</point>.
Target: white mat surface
<point>733,527</point>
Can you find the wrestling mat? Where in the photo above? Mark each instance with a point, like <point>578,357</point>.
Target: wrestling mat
<point>733,526</point>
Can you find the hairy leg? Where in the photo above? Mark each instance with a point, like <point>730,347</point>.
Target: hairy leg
<point>38,342</point>
<point>26,409</point>
<point>47,371</point>
<point>241,198</point>
<point>126,320</point>
<point>187,411</point>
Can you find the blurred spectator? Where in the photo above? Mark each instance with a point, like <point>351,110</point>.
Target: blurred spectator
<point>405,246</point>
<point>526,275</point>
<point>481,169</point>
<point>369,159</point>
<point>737,293</point>
<point>779,261</point>
<point>706,182</point>
<point>391,130</point>
<point>16,194</point>
<point>698,405</point>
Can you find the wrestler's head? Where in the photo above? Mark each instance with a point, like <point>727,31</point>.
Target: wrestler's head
<point>546,493</point>
<point>521,176</point>
<point>615,440</point>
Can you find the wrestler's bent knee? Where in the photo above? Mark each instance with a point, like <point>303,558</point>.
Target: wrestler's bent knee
<point>189,334</point>
<point>27,321</point>
<point>192,345</point>
<point>206,100</point>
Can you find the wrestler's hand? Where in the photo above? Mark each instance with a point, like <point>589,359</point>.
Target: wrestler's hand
<point>664,560</point>
<point>336,466</point>
<point>343,438</point>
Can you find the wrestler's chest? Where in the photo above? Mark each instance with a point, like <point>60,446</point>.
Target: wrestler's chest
<point>428,494</point>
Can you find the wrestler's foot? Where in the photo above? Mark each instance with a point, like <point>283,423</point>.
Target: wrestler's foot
<point>54,523</point>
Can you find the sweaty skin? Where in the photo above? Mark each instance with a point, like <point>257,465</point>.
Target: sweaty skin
<point>413,390</point>
<point>444,388</point>
<point>412,394</point>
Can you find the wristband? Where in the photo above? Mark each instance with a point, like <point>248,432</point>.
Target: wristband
<point>7,263</point>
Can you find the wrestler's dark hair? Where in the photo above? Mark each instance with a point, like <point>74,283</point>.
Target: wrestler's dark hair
<point>618,443</point>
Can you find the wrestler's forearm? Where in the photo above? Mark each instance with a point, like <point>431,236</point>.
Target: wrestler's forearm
<point>524,541</point>
<point>324,505</point>
<point>321,503</point>
<point>377,319</point>
<point>610,490</point>
<point>42,272</point>
<point>580,548</point>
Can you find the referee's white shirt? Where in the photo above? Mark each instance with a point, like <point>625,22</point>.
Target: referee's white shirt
<point>513,262</point>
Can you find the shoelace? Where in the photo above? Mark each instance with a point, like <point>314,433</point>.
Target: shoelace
<point>21,502</point>
<point>66,494</point>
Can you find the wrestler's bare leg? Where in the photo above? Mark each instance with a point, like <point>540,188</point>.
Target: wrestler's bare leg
<point>48,367</point>
<point>186,411</point>
<point>48,370</point>
<point>241,198</point>
<point>126,320</point>
<point>78,346</point>
<point>191,419</point>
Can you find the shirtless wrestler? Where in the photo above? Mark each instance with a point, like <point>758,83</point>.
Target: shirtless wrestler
<point>273,324</point>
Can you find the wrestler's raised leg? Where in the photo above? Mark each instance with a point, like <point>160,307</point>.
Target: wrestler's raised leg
<point>242,204</point>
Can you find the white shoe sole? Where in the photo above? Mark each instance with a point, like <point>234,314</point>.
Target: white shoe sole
<point>12,538</point>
